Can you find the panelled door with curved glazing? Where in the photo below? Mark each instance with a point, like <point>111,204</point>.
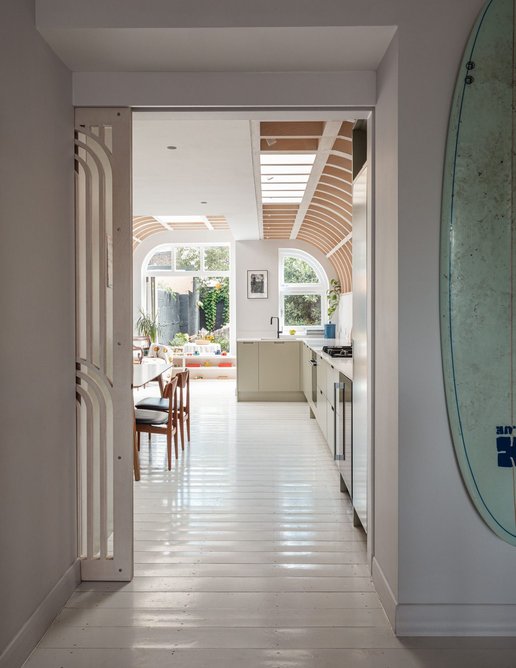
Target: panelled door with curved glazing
<point>103,342</point>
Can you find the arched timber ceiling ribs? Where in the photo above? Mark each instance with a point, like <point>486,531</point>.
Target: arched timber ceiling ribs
<point>146,226</point>
<point>323,212</point>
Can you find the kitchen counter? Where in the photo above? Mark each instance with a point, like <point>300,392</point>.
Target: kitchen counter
<point>342,364</point>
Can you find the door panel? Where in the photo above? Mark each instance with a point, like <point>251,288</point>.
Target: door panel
<point>104,342</point>
<point>247,366</point>
<point>279,366</point>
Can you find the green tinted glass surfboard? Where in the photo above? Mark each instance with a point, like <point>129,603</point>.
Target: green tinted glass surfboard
<point>478,269</point>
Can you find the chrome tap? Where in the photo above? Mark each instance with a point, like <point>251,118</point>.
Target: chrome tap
<point>278,330</point>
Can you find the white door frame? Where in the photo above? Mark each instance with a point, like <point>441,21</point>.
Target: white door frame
<point>114,560</point>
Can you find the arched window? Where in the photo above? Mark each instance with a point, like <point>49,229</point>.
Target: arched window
<point>187,287</point>
<point>302,290</point>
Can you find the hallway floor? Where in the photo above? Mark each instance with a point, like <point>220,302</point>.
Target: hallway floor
<point>245,557</point>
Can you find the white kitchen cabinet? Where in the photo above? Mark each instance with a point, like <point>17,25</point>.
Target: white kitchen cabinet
<point>332,377</point>
<point>361,333</point>
<point>269,371</point>
<point>247,366</point>
<point>330,427</point>
<point>306,371</point>
<point>322,368</point>
<point>279,366</point>
<point>321,411</point>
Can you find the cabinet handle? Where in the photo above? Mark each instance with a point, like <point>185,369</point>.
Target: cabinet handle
<point>248,343</point>
<point>279,343</point>
<point>333,409</point>
<point>320,391</point>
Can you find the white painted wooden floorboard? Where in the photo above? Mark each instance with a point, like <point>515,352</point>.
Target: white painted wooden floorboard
<point>271,658</point>
<point>245,556</point>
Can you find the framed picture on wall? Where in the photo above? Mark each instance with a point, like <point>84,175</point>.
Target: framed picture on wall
<point>257,284</point>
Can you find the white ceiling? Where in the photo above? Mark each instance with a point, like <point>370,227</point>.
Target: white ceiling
<point>310,49</point>
<point>213,163</point>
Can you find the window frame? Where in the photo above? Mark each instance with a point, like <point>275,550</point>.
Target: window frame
<point>285,289</point>
<point>147,300</point>
<point>202,272</point>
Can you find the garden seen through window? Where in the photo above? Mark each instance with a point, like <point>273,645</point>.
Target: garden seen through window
<point>188,287</point>
<point>303,285</point>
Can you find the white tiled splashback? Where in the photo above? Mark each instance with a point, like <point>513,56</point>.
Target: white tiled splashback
<point>345,317</point>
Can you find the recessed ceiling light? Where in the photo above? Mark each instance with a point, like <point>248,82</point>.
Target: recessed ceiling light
<point>171,148</point>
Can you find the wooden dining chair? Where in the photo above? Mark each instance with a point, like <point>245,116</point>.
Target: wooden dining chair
<point>159,416</point>
<point>183,405</point>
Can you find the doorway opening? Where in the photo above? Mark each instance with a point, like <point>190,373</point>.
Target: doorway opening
<point>274,195</point>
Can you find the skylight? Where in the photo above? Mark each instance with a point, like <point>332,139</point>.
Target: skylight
<point>284,176</point>
<point>185,219</point>
<point>287,158</point>
<point>182,219</point>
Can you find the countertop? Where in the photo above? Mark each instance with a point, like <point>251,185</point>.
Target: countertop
<point>342,364</point>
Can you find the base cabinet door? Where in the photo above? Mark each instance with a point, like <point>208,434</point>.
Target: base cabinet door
<point>306,372</point>
<point>330,427</point>
<point>247,366</point>
<point>344,432</point>
<point>279,366</point>
<point>321,413</point>
<point>332,377</point>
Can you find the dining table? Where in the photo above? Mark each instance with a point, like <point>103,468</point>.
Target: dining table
<point>148,371</point>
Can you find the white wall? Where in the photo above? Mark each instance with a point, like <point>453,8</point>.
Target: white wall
<point>447,555</point>
<point>258,89</point>
<point>37,459</point>
<point>253,315</point>
<point>385,548</point>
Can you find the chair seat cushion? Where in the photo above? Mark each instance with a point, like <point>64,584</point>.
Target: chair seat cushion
<point>150,417</point>
<point>154,404</point>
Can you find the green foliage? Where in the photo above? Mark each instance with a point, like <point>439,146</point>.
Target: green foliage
<point>302,310</point>
<point>147,325</point>
<point>211,292</point>
<point>216,258</point>
<point>188,258</point>
<point>223,341</point>
<point>179,339</point>
<point>333,297</point>
<point>298,271</point>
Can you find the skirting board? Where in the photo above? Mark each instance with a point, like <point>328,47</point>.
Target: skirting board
<point>385,593</point>
<point>270,396</point>
<point>456,620</point>
<point>35,627</point>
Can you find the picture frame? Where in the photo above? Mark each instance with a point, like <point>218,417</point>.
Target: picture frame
<point>257,284</point>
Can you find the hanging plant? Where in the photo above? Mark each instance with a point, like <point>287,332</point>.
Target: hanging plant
<point>211,294</point>
<point>333,295</point>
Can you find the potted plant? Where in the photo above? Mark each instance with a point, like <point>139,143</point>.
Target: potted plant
<point>147,325</point>
<point>333,294</point>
